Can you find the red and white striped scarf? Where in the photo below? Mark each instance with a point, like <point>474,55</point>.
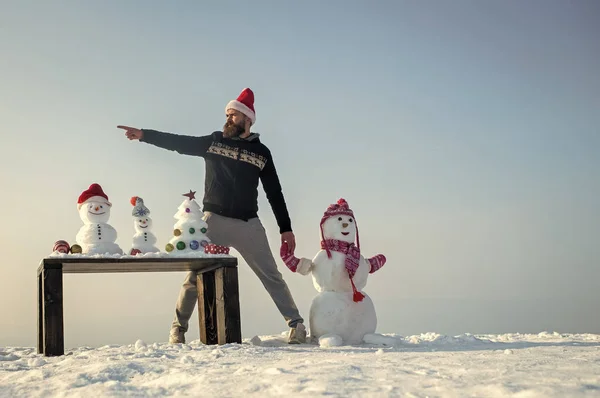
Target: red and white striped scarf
<point>351,263</point>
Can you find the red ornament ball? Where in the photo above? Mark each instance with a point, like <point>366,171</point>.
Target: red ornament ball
<point>61,246</point>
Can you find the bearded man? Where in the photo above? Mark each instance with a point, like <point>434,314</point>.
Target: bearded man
<point>235,162</point>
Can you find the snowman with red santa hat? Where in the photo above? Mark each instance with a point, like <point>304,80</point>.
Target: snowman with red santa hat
<point>341,313</point>
<point>96,236</point>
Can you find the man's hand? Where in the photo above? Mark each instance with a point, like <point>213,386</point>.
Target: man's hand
<point>290,239</point>
<point>132,133</point>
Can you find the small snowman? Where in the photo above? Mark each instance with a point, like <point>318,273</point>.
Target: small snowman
<point>341,312</point>
<point>96,236</point>
<point>143,239</point>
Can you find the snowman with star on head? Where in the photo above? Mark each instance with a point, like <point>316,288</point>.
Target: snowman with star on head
<point>341,311</point>
<point>96,236</point>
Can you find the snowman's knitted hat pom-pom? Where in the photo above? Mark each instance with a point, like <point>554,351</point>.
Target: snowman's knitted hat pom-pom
<point>334,209</point>
<point>133,200</point>
<point>342,202</point>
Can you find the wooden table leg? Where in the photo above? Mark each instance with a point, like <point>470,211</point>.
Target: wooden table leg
<point>228,305</point>
<point>40,320</point>
<point>206,307</point>
<point>52,300</point>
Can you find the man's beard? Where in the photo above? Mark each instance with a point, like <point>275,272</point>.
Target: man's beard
<point>232,130</point>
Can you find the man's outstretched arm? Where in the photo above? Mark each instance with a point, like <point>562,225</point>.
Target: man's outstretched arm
<point>184,144</point>
<point>272,187</point>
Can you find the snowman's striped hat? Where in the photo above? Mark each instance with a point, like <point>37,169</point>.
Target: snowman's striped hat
<point>339,208</point>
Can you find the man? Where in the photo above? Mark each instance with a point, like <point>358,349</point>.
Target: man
<point>235,162</point>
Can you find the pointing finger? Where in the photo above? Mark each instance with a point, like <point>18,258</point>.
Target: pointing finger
<point>126,127</point>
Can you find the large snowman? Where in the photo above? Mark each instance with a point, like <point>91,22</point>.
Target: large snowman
<point>96,236</point>
<point>341,311</point>
<point>143,239</point>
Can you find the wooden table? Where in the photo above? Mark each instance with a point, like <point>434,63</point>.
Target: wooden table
<point>218,293</point>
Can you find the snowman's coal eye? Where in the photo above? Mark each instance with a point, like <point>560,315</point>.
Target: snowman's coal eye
<point>351,220</point>
<point>339,218</point>
<point>101,206</point>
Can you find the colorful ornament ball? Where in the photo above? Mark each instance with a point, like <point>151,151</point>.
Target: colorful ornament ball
<point>169,247</point>
<point>194,245</point>
<point>177,232</point>
<point>180,245</point>
<point>61,246</point>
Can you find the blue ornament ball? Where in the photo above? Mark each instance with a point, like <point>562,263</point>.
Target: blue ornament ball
<point>194,245</point>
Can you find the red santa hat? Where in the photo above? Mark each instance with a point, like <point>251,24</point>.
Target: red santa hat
<point>337,209</point>
<point>244,103</point>
<point>93,194</point>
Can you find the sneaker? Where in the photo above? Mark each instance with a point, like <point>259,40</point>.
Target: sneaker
<point>177,336</point>
<point>297,334</point>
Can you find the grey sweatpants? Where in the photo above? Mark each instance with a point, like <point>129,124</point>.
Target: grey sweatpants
<point>250,240</point>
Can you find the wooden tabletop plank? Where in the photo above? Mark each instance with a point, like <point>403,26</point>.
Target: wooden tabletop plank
<point>109,265</point>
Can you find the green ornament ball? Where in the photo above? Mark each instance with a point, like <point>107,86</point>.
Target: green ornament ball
<point>169,247</point>
<point>180,245</point>
<point>203,230</point>
<point>192,230</point>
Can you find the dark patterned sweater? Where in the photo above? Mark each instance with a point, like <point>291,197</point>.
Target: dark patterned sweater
<point>233,169</point>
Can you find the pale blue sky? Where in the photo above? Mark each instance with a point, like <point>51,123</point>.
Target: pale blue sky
<point>463,134</point>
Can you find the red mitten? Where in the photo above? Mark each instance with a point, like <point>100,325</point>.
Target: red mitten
<point>376,262</point>
<point>289,259</point>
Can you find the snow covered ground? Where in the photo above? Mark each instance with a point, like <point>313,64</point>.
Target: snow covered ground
<point>427,365</point>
